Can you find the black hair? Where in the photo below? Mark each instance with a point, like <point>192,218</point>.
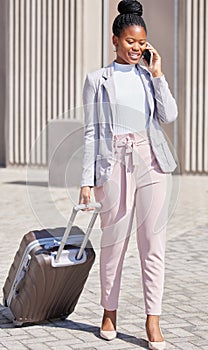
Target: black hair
<point>130,14</point>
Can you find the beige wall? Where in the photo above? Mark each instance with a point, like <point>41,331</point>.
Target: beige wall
<point>51,45</point>
<point>112,14</point>
<point>92,35</point>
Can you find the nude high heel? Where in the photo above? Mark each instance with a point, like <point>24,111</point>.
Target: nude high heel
<point>108,335</point>
<point>157,345</point>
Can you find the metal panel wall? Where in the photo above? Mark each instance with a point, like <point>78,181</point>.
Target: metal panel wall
<point>196,87</point>
<point>44,79</point>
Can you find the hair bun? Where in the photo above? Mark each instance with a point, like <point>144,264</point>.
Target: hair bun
<point>130,7</point>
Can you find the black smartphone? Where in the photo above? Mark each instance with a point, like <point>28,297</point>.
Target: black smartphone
<point>147,55</point>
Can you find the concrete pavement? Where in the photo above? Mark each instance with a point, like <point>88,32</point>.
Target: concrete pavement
<point>27,202</point>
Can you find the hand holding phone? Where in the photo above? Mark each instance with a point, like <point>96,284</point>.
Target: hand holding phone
<point>147,55</point>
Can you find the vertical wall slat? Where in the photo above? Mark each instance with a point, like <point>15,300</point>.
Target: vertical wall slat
<point>188,86</point>
<point>27,83</point>
<point>16,83</point>
<point>200,123</point>
<point>43,81</point>
<point>60,56</point>
<point>206,92</point>
<point>55,58</point>
<point>38,82</point>
<point>196,115</point>
<point>66,56</point>
<point>72,55</point>
<point>22,83</point>
<point>78,51</point>
<point>49,61</point>
<point>11,84</point>
<point>194,100</point>
<point>33,81</point>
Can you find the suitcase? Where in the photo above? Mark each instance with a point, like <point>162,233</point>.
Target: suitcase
<point>49,271</point>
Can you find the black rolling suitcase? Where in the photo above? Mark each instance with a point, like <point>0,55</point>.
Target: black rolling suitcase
<point>49,272</point>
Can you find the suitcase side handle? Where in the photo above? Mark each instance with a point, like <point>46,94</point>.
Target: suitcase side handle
<point>76,209</point>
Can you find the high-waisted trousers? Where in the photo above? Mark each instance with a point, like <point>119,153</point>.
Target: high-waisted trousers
<point>136,185</point>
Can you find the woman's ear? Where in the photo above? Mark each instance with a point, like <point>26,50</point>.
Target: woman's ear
<point>115,40</point>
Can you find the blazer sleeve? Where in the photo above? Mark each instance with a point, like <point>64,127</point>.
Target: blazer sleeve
<point>166,107</point>
<point>90,132</point>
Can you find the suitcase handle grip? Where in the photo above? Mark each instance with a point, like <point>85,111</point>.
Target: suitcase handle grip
<point>96,206</point>
<point>76,209</point>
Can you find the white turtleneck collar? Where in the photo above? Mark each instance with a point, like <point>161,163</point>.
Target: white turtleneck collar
<point>123,67</point>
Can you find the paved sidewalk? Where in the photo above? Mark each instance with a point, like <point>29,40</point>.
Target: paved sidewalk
<point>185,308</point>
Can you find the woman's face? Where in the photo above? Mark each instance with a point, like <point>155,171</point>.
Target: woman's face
<point>130,44</point>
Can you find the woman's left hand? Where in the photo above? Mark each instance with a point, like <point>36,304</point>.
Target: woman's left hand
<point>156,67</point>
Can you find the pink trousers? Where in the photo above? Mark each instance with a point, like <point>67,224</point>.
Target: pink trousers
<point>136,185</point>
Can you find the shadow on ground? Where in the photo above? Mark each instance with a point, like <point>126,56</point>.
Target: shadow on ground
<point>6,323</point>
<point>29,183</point>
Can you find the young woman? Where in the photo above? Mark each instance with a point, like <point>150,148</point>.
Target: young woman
<point>128,163</point>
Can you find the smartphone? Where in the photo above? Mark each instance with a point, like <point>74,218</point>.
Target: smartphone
<point>147,55</point>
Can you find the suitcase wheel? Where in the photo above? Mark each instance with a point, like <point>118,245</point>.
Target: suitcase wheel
<point>17,323</point>
<point>63,318</point>
<point>5,302</point>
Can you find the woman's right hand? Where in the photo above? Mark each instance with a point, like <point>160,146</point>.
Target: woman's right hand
<point>84,196</point>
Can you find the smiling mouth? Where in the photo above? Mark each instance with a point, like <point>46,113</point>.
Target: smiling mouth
<point>134,55</point>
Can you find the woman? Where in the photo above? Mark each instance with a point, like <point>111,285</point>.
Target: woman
<point>128,163</point>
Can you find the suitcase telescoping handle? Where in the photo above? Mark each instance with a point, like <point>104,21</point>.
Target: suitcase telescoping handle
<point>76,209</point>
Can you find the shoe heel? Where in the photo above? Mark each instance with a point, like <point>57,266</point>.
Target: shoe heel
<point>108,335</point>
<point>157,345</point>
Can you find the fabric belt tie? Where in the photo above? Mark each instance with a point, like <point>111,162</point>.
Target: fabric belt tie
<point>131,158</point>
<point>130,148</point>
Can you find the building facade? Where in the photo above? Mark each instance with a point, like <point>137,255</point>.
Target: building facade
<point>48,46</point>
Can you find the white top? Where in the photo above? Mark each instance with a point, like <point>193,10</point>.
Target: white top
<point>131,103</point>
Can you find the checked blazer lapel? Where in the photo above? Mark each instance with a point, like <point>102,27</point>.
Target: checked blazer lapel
<point>109,84</point>
<point>109,87</point>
